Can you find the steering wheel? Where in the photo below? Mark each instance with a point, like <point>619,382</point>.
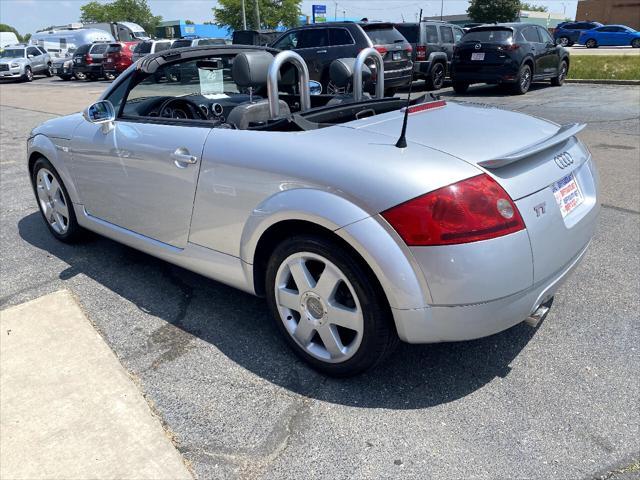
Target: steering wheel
<point>181,108</point>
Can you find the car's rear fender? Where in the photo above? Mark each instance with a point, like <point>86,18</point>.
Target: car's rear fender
<point>370,236</point>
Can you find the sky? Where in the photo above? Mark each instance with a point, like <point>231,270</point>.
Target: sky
<point>27,16</point>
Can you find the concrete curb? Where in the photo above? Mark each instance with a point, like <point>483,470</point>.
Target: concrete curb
<point>602,81</point>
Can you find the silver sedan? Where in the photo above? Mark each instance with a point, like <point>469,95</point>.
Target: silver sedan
<point>362,220</point>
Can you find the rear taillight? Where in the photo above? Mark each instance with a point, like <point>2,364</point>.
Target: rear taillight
<point>509,47</point>
<point>474,209</point>
<point>88,58</point>
<point>421,52</point>
<point>382,50</point>
<point>408,48</point>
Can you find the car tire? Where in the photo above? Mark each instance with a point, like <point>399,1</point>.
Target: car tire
<point>460,87</point>
<point>435,80</point>
<point>328,285</point>
<point>390,92</point>
<point>591,43</point>
<point>28,74</point>
<point>49,71</point>
<point>562,74</point>
<point>635,43</point>
<point>109,76</point>
<point>564,42</point>
<point>66,78</point>
<point>523,81</point>
<point>80,75</point>
<point>54,202</point>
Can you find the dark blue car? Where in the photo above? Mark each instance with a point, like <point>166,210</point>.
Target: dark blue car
<point>568,33</point>
<point>613,35</point>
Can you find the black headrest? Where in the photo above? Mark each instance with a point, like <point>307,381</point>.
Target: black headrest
<point>250,69</point>
<point>341,71</point>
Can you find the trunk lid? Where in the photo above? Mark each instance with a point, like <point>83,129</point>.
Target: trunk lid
<point>537,162</point>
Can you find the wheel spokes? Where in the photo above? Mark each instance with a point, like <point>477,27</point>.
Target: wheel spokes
<point>304,332</point>
<point>301,275</point>
<point>345,317</point>
<point>288,299</point>
<point>331,341</point>
<point>328,282</point>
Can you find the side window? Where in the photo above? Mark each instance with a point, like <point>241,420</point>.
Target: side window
<point>99,49</point>
<point>116,96</point>
<point>33,51</point>
<point>605,29</point>
<point>457,34</point>
<point>63,44</point>
<point>42,50</point>
<point>544,35</point>
<point>447,34</point>
<point>530,34</point>
<point>288,42</point>
<point>340,36</point>
<point>432,34</point>
<point>313,37</point>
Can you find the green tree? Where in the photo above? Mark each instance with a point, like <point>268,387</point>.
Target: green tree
<point>273,13</point>
<point>533,8</point>
<point>8,28</point>
<point>189,22</point>
<point>136,11</point>
<point>493,10</point>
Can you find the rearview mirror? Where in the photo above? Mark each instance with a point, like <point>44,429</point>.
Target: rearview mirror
<point>101,112</point>
<point>315,88</point>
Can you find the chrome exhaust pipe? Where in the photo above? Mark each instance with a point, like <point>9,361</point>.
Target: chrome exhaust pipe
<point>540,314</point>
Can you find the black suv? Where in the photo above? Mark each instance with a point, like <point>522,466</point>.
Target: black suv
<point>433,44</point>
<point>568,33</point>
<point>321,44</point>
<point>87,60</point>
<point>514,54</point>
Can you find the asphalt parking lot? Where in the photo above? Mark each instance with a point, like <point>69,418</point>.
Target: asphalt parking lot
<point>559,401</point>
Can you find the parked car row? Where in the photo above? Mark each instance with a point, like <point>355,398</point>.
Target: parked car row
<point>595,34</point>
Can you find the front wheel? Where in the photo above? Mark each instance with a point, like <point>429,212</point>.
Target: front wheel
<point>435,80</point>
<point>329,309</point>
<point>562,74</point>
<point>591,43</point>
<point>460,87</point>
<point>28,74</point>
<point>54,202</point>
<point>523,82</point>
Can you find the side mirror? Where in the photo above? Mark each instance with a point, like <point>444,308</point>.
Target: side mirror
<point>315,88</point>
<point>101,113</point>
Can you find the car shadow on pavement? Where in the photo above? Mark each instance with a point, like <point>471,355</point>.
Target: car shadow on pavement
<point>239,325</point>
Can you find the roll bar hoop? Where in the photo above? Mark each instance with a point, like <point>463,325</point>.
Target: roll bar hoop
<point>357,74</point>
<point>303,81</point>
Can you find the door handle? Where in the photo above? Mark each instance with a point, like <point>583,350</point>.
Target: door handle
<point>182,158</point>
<point>321,51</point>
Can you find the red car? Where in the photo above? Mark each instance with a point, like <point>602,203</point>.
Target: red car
<point>117,58</point>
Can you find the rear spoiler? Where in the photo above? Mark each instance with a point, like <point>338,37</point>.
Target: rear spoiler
<point>564,133</point>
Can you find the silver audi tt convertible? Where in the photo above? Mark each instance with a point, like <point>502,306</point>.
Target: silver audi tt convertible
<point>363,220</point>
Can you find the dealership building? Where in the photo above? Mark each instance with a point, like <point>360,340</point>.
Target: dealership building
<point>624,12</point>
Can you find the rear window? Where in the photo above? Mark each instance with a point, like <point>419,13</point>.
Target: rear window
<point>143,47</point>
<point>160,46</point>
<point>114,48</point>
<point>181,43</point>
<point>383,35</point>
<point>82,49</point>
<point>488,35</point>
<point>211,41</point>
<point>98,49</point>
<point>410,32</point>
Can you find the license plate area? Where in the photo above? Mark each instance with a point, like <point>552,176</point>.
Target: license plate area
<point>397,56</point>
<point>567,194</point>
<point>477,56</point>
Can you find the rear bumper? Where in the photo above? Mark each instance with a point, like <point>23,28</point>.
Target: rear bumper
<point>468,322</point>
<point>505,73</point>
<point>88,69</point>
<point>422,67</point>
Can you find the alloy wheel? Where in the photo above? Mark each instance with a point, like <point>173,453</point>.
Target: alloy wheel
<point>563,72</point>
<point>52,201</point>
<point>525,80</point>
<point>438,75</point>
<point>319,307</point>
<point>564,41</point>
<point>29,74</point>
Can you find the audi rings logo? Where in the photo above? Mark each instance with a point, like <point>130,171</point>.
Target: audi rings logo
<point>563,160</point>
<point>478,46</point>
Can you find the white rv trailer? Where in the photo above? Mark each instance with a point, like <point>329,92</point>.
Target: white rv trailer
<point>8,38</point>
<point>62,42</point>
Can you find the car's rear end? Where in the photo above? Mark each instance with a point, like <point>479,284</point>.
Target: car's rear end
<point>488,54</point>
<point>396,53</point>
<point>495,246</point>
<point>117,59</point>
<point>424,40</point>
<point>88,62</point>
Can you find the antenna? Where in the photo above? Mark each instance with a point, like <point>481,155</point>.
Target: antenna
<point>402,141</point>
